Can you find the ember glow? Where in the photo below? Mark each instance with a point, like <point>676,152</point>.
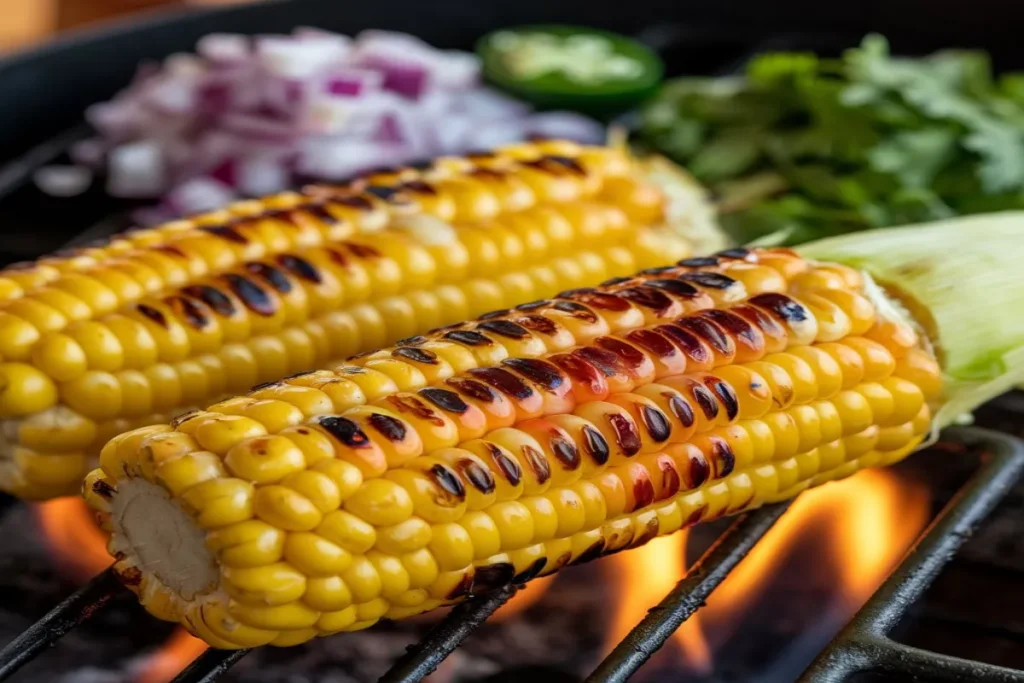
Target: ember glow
<point>860,527</point>
<point>79,548</point>
<point>524,597</point>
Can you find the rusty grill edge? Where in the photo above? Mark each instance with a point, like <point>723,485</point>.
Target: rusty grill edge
<point>862,647</point>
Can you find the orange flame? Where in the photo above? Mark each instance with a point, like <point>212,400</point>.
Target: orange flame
<point>80,547</point>
<point>76,542</point>
<point>864,524</point>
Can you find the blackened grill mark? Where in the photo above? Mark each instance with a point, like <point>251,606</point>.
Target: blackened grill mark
<point>153,314</point>
<point>505,328</point>
<point>657,271</point>
<point>712,280</point>
<point>687,342</point>
<point>605,361</point>
<point>578,311</point>
<point>491,577</point>
<point>362,250</point>
<point>345,430</point>
<point>318,211</point>
<point>504,381</point>
<point>419,186</point>
<point>680,407</point>
<point>698,262</point>
<point>581,372</point>
<point>533,305</point>
<point>768,325</point>
<point>416,355</point>
<point>538,463</point>
<point>445,399</point>
<point>412,341</point>
<point>481,479</point>
<point>265,385</point>
<point>734,325</point>
<point>650,531</point>
<point>475,390</point>
<point>643,490</point>
<point>656,423</point>
<point>354,201</point>
<point>488,173</point>
<point>252,295</point>
<point>170,249</point>
<point>648,297</point>
<point>700,470</point>
<point>508,467</point>
<point>189,310</point>
<point>543,373</point>
<point>568,162</point>
<point>414,406</point>
<point>670,479</point>
<point>652,342</point>
<point>448,481</point>
<point>468,337</point>
<point>226,232</point>
<point>709,332</point>
<point>381,191</point>
<point>787,309</point>
<point>184,417</point>
<point>538,323</point>
<point>491,315</point>
<point>566,452</point>
<point>300,267</point>
<point>463,588</point>
<point>390,428</point>
<point>530,572</point>
<point>602,300</point>
<point>725,459</point>
<point>595,445</point>
<point>626,434</point>
<point>627,354</point>
<point>615,281</point>
<point>734,253</point>
<point>725,393</point>
<point>272,276</point>
<point>677,287</point>
<point>338,258</point>
<point>592,553</point>
<point>103,489</point>
<point>706,400</point>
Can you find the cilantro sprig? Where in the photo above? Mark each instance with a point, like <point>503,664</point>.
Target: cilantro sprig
<point>810,146</point>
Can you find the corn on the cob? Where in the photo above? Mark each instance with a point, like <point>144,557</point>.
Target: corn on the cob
<point>125,335</point>
<point>495,451</point>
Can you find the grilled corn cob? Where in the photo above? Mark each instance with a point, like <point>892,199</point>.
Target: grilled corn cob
<point>492,452</point>
<point>128,334</point>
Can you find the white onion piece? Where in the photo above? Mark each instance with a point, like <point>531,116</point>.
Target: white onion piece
<point>137,170</point>
<point>487,104</point>
<point>63,181</point>
<point>224,48</point>
<point>497,133</point>
<point>261,176</point>
<point>568,125</point>
<point>291,58</point>
<point>198,195</point>
<point>340,158</point>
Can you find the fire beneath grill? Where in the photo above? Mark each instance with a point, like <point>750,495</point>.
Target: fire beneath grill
<point>789,597</point>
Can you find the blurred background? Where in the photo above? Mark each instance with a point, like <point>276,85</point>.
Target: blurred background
<point>26,22</point>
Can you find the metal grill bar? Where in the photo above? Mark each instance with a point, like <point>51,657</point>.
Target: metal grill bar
<point>864,645</point>
<point>687,597</point>
<point>74,610</point>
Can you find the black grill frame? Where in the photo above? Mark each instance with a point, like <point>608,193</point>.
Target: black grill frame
<point>863,646</point>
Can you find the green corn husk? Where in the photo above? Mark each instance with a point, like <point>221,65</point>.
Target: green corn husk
<point>961,282</point>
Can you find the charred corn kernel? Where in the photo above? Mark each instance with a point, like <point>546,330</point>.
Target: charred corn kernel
<point>553,432</point>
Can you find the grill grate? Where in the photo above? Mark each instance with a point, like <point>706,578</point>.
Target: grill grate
<point>862,647</point>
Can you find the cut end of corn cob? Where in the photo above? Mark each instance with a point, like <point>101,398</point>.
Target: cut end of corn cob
<point>131,332</point>
<point>491,452</point>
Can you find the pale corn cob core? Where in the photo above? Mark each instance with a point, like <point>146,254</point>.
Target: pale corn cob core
<point>129,334</point>
<point>499,450</point>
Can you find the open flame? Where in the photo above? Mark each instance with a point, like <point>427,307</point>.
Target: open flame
<point>861,527</point>
<point>79,548</point>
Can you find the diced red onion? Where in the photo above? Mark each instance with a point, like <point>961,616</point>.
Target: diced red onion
<point>198,195</point>
<point>224,48</point>
<point>248,116</point>
<point>136,170</point>
<point>63,181</point>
